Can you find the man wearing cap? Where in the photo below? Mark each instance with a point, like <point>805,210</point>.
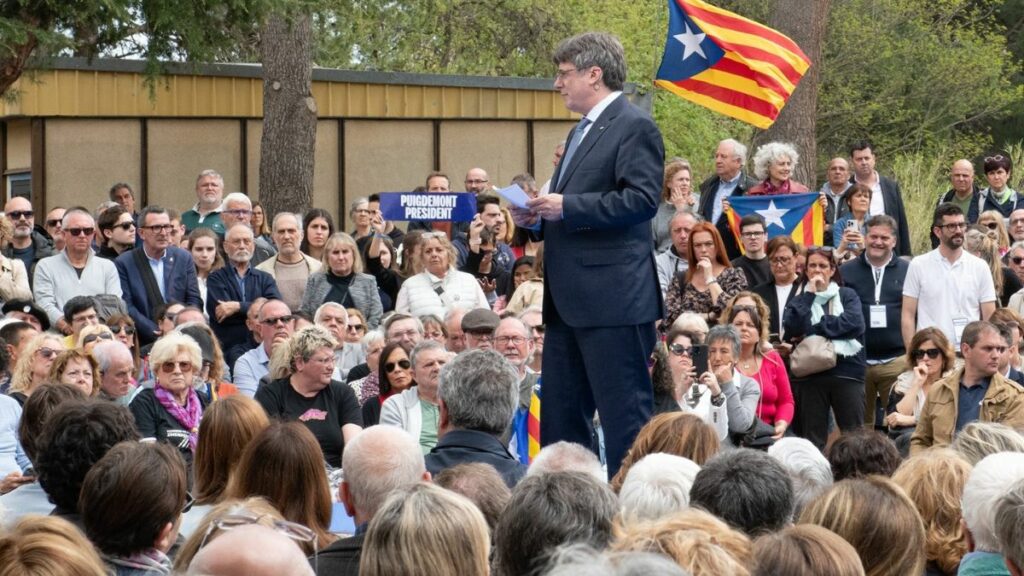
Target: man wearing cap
<point>478,325</point>
<point>276,325</point>
<point>27,311</point>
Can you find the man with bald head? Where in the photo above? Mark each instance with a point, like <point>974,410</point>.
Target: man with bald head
<point>836,184</point>
<point>28,244</point>
<point>477,180</point>
<point>964,193</point>
<point>379,461</point>
<point>250,550</point>
<point>290,267</point>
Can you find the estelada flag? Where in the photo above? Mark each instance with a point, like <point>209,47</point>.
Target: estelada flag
<point>799,216</point>
<point>729,63</point>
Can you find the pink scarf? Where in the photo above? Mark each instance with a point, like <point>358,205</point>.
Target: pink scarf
<point>188,416</point>
<point>769,189</point>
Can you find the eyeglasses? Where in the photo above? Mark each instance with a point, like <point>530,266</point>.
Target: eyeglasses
<point>390,366</point>
<point>99,336</point>
<point>481,336</point>
<point>504,340</point>
<point>296,532</point>
<point>561,74</point>
<point>128,330</point>
<point>920,353</point>
<point>47,352</point>
<point>124,226</point>
<point>991,225</point>
<point>280,319</point>
<point>361,211</point>
<point>159,227</point>
<point>169,366</point>
<point>781,261</point>
<point>241,213</point>
<point>52,223</point>
<point>80,231</point>
<point>752,234</point>
<point>468,182</point>
<point>356,328</point>
<point>954,226</point>
<point>19,214</point>
<point>680,350</point>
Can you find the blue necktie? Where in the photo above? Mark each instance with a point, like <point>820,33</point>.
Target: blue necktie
<point>574,143</point>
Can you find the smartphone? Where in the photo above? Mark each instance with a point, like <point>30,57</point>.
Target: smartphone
<point>774,339</point>
<point>700,359</point>
<point>851,224</point>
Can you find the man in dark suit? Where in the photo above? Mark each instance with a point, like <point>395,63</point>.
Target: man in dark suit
<point>601,295</point>
<point>155,273</point>
<point>886,197</point>
<point>729,180</point>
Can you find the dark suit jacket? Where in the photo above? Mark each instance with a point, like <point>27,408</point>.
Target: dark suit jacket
<point>599,259</point>
<point>893,201</point>
<point>180,285</point>
<point>706,208</point>
<point>462,446</point>
<point>222,286</point>
<point>341,558</point>
<point>767,293</point>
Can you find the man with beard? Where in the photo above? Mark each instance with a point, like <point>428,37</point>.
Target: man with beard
<point>231,289</point>
<point>206,212</point>
<point>948,287</point>
<point>28,245</point>
<point>289,267</point>
<point>513,341</point>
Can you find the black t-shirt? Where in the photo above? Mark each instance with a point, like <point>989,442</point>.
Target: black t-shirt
<point>757,271</point>
<point>324,414</point>
<point>154,421</point>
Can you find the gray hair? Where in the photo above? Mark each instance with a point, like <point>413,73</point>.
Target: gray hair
<point>989,480</point>
<point>738,149</point>
<point>110,351</point>
<point>370,337</point>
<point>692,322</point>
<point>356,204</point>
<point>657,486</point>
<point>378,462</point>
<point>235,197</point>
<point>103,207</point>
<point>725,332</point>
<point>76,210</point>
<point>567,457</point>
<point>807,467</point>
<point>575,559</point>
<point>423,346</point>
<point>213,173</point>
<point>1017,244</point>
<point>293,216</point>
<point>241,227</point>
<point>771,153</point>
<point>1009,523</point>
<point>979,439</point>
<point>480,391</point>
<point>595,49</point>
<point>327,306</point>
<point>398,317</point>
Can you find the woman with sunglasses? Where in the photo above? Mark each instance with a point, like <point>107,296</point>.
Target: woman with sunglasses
<point>170,411</point>
<point>931,357</point>
<point>760,363</point>
<point>999,195</point>
<point>76,368</point>
<point>33,367</point>
<point>309,394</point>
<point>829,310</point>
<point>394,377</point>
<point>123,328</point>
<point>677,387</point>
<point>994,228</point>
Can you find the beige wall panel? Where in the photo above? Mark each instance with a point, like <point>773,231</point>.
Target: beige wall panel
<point>547,135</point>
<point>498,147</point>
<point>180,149</point>
<point>325,171</point>
<point>390,156</point>
<point>84,157</point>
<point>19,145</point>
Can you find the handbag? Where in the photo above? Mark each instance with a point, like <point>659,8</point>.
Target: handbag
<point>758,436</point>
<point>812,355</point>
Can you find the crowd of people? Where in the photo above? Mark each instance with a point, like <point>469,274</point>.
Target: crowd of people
<point>227,391</point>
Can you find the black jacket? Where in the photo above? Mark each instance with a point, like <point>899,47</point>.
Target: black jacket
<point>461,446</point>
<point>849,326</point>
<point>879,343</point>
<point>767,293</point>
<point>708,188</point>
<point>973,210</point>
<point>893,202</point>
<point>341,558</point>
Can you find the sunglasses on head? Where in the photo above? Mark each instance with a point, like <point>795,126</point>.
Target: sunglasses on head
<point>920,353</point>
<point>94,337</point>
<point>390,366</point>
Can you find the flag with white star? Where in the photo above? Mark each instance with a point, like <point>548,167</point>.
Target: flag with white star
<point>799,216</point>
<point>728,63</point>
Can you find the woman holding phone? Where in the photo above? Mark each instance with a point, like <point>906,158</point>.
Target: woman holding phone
<point>929,357</point>
<point>676,386</point>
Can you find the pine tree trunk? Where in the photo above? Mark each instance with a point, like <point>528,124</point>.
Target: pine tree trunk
<point>805,22</point>
<point>289,115</point>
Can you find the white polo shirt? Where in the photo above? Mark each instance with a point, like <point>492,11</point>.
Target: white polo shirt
<point>947,293</point>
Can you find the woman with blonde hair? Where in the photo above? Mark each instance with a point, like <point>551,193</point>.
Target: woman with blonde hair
<point>995,228</point>
<point>675,433</point>
<point>878,519</point>
<point>1004,280</point>
<point>228,427</point>
<point>805,550</point>
<point>76,368</point>
<point>934,480</point>
<point>439,287</point>
<point>426,530</point>
<point>980,439</point>
<point>700,543</point>
<point>341,280</point>
<point>283,464</point>
<point>48,546</point>
<point>33,366</point>
<point>677,195</point>
<point>92,335</point>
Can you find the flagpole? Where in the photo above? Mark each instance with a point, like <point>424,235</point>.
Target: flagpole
<point>657,60</point>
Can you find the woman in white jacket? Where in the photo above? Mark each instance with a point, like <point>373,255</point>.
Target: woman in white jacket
<point>440,287</point>
<point>416,410</point>
<point>13,276</point>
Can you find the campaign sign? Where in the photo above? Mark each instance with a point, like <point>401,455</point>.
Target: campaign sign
<point>431,206</point>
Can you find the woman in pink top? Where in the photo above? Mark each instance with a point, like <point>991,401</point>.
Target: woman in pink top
<point>759,361</point>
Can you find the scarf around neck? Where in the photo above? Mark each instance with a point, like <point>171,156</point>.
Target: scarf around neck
<point>847,347</point>
<point>188,415</point>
